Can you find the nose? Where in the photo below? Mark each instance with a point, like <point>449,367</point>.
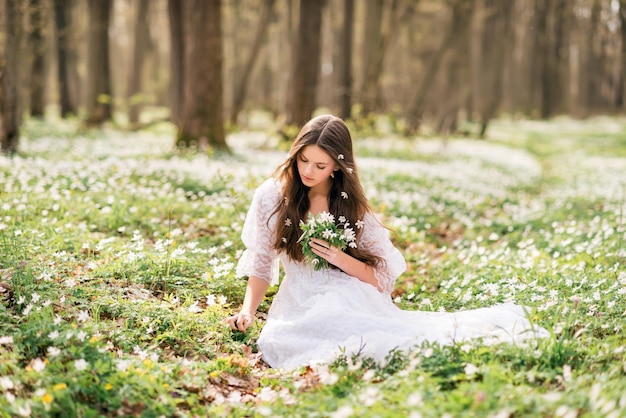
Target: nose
<point>308,169</point>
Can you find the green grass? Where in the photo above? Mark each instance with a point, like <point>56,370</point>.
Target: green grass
<point>118,255</point>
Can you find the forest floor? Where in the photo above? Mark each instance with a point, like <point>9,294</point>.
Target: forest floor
<point>118,255</point>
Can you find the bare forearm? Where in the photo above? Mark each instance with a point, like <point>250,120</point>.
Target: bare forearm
<point>356,268</point>
<point>345,262</point>
<point>255,292</point>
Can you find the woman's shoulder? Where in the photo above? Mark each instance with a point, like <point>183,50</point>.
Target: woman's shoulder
<point>269,190</point>
<point>270,186</point>
<point>373,224</point>
<point>371,217</point>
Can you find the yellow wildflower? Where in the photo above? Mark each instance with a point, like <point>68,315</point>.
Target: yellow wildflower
<point>47,398</point>
<point>59,386</point>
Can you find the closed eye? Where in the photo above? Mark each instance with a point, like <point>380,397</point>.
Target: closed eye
<point>318,166</point>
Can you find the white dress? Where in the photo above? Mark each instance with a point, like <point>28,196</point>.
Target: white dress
<point>317,315</point>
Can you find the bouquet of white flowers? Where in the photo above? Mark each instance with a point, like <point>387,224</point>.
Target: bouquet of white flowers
<point>323,226</point>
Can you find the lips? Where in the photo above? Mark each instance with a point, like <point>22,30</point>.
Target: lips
<point>307,179</point>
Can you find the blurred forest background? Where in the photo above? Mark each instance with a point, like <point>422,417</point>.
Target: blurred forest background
<point>205,64</point>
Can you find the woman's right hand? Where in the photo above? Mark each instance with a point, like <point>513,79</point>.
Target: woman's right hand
<point>240,321</point>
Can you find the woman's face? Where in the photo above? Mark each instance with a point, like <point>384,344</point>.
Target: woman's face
<point>315,166</point>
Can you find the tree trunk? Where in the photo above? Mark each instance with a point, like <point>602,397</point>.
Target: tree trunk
<point>306,63</point>
<point>621,99</point>
<point>496,37</point>
<point>371,53</point>
<point>592,99</point>
<point>136,70</point>
<point>459,85</point>
<point>202,121</point>
<point>38,73</point>
<point>549,70</point>
<point>560,51</point>
<point>259,39</point>
<point>77,81</point>
<point>99,99</point>
<point>452,37</point>
<point>62,13</point>
<point>397,12</point>
<point>345,61</point>
<point>177,59</point>
<point>10,119</point>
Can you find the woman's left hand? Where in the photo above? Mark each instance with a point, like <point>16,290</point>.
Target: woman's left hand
<point>322,249</point>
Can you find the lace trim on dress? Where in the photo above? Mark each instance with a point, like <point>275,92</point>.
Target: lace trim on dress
<point>260,259</point>
<point>375,237</point>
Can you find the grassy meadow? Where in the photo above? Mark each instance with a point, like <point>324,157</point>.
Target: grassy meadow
<point>118,255</point>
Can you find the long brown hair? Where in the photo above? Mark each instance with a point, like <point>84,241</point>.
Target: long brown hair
<point>346,197</point>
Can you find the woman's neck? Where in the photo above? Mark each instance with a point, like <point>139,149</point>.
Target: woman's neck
<point>318,199</point>
<point>319,192</point>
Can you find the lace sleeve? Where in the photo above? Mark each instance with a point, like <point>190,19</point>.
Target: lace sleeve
<point>259,258</point>
<point>375,237</point>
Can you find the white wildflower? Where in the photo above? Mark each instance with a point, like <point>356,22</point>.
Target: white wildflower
<point>24,410</point>
<point>27,309</point>
<point>53,351</point>
<point>122,365</point>
<point>6,340</point>
<point>349,234</point>
<point>327,377</point>
<point>470,369</point>
<point>234,397</point>
<point>345,411</point>
<point>83,316</point>
<point>38,365</point>
<point>325,217</point>
<point>415,399</point>
<point>370,396</point>
<point>267,394</point>
<point>81,364</point>
<point>6,383</point>
<point>194,308</point>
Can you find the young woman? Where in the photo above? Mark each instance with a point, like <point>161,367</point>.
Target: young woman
<point>346,308</point>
